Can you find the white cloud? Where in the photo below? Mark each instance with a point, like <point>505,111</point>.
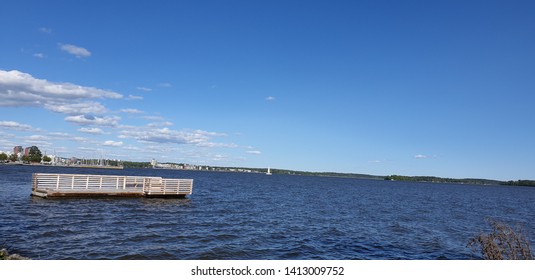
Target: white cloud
<point>254,152</point>
<point>80,139</point>
<point>160,124</point>
<point>165,85</point>
<point>39,143</point>
<point>134,97</point>
<point>90,120</point>
<point>420,156</point>
<point>165,135</point>
<point>144,89</point>
<point>219,157</point>
<point>91,130</point>
<point>15,126</point>
<point>270,98</point>
<point>39,55</point>
<point>38,140</point>
<point>217,145</point>
<point>59,134</point>
<point>75,50</point>
<point>154,118</point>
<point>132,111</point>
<point>77,108</point>
<point>207,133</point>
<point>113,143</point>
<point>38,137</point>
<point>45,30</point>
<point>18,89</point>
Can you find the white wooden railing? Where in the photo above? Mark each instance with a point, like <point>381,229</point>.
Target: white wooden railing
<point>168,186</point>
<point>148,185</point>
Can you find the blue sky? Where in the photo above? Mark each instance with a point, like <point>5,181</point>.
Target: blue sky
<point>442,88</point>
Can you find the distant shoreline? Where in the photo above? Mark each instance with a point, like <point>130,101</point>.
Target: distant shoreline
<point>420,179</point>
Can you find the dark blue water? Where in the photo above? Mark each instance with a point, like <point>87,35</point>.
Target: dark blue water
<point>254,216</point>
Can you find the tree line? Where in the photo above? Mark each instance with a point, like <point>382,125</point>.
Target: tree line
<point>432,179</point>
<point>34,155</point>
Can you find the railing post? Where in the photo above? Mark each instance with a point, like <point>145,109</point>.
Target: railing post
<point>117,184</point>
<point>57,183</point>
<point>72,183</point>
<point>124,183</point>
<point>34,180</point>
<point>87,182</point>
<point>100,184</point>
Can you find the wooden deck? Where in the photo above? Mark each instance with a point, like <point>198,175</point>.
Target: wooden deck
<point>49,185</point>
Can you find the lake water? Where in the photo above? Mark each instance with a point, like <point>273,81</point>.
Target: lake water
<point>254,216</point>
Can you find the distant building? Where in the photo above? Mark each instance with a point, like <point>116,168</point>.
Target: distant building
<point>27,151</point>
<point>153,162</point>
<point>17,150</point>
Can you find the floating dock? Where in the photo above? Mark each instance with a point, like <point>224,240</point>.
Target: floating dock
<point>48,185</point>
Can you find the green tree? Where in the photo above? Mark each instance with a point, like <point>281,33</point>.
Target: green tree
<point>13,157</point>
<point>3,157</point>
<point>47,159</point>
<point>35,154</point>
<point>25,158</point>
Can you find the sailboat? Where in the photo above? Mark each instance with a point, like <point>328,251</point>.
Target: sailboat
<point>268,172</point>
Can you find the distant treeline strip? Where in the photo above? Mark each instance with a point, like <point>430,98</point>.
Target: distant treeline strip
<point>529,183</point>
<point>433,179</point>
<point>134,164</point>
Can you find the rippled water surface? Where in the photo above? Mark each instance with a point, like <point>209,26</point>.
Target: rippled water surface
<point>254,216</point>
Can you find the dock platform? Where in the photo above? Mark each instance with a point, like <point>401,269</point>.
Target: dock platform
<point>48,185</point>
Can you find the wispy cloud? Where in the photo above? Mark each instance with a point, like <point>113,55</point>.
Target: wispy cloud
<point>45,30</point>
<point>37,138</point>
<point>165,135</point>
<point>165,85</point>
<point>76,108</point>
<point>11,125</point>
<point>39,55</point>
<point>134,97</point>
<point>90,120</point>
<point>216,145</point>
<point>37,142</point>
<point>270,98</point>
<point>420,156</point>
<point>144,89</point>
<point>75,50</point>
<point>131,111</point>
<point>112,143</point>
<point>254,152</point>
<point>160,124</point>
<point>154,118</point>
<point>91,130</point>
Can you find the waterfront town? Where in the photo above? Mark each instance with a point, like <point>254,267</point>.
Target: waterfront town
<point>33,156</point>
